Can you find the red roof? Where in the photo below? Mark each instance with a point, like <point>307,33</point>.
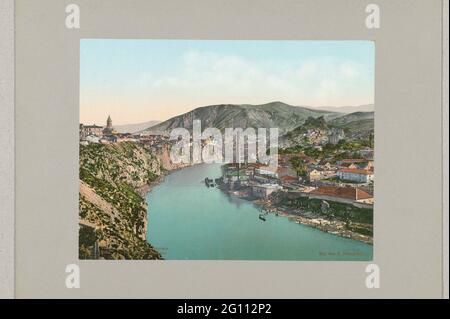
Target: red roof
<point>289,178</point>
<point>353,193</point>
<point>353,160</point>
<point>355,171</point>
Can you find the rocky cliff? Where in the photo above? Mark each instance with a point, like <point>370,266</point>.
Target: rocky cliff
<point>112,210</point>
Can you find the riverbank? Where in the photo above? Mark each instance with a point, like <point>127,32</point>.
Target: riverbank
<point>335,227</point>
<point>143,190</point>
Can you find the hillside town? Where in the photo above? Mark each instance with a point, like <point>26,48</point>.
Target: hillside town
<point>316,168</point>
<point>96,134</point>
<point>324,178</point>
<point>326,181</point>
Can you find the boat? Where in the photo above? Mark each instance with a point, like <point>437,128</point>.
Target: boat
<point>209,182</point>
<point>261,216</point>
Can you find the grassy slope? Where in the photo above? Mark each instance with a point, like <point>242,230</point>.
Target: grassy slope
<point>114,172</point>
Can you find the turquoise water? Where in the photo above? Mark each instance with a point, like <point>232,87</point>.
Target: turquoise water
<point>187,220</point>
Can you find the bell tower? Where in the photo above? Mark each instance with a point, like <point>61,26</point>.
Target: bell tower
<point>109,122</point>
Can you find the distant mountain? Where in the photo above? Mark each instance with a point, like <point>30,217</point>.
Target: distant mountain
<point>134,128</point>
<point>348,109</point>
<point>275,114</point>
<point>357,121</point>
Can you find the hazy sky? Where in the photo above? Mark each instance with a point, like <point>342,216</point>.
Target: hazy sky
<point>141,80</point>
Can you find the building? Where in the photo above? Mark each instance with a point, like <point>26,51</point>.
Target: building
<point>264,190</point>
<point>349,165</point>
<point>314,175</point>
<point>318,174</point>
<point>289,181</point>
<point>108,130</point>
<point>285,170</point>
<point>335,136</point>
<point>366,152</point>
<point>92,139</point>
<point>340,194</point>
<point>355,161</point>
<point>109,139</point>
<point>365,164</point>
<point>87,130</point>
<point>267,171</point>
<point>356,175</point>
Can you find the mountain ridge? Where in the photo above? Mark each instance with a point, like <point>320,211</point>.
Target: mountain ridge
<point>349,109</point>
<point>273,114</point>
<point>135,127</point>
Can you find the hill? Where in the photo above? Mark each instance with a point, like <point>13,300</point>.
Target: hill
<point>348,109</point>
<point>112,212</point>
<point>357,121</point>
<point>275,114</point>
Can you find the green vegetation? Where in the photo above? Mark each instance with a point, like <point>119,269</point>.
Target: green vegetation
<point>357,219</point>
<point>299,165</point>
<point>87,239</point>
<point>115,172</point>
<point>317,123</point>
<point>333,152</point>
<point>310,123</point>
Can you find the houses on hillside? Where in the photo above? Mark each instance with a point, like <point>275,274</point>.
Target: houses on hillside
<point>335,135</point>
<point>347,180</point>
<point>90,130</point>
<point>107,134</point>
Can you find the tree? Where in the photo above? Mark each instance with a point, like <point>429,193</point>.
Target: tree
<point>299,165</point>
<point>371,140</point>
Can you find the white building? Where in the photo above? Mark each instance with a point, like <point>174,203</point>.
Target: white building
<point>264,190</point>
<point>356,175</point>
<point>267,171</point>
<point>92,139</point>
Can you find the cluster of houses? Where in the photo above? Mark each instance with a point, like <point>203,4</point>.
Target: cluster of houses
<point>347,180</point>
<point>318,137</point>
<point>359,170</point>
<point>107,134</point>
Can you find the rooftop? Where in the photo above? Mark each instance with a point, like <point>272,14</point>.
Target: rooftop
<point>354,160</point>
<point>356,171</point>
<point>92,126</point>
<point>289,178</point>
<point>353,193</point>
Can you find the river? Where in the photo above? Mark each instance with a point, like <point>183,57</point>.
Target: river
<point>188,220</point>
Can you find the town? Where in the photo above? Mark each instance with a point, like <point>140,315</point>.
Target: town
<point>96,134</point>
<point>325,180</point>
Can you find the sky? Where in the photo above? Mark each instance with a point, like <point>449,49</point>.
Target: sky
<point>136,81</point>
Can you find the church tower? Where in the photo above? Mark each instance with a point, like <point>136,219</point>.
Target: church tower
<point>109,122</point>
<point>109,128</point>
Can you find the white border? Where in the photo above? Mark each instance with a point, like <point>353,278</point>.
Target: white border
<point>445,145</point>
<point>7,149</point>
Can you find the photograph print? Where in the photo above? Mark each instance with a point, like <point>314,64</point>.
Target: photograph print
<point>226,150</point>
